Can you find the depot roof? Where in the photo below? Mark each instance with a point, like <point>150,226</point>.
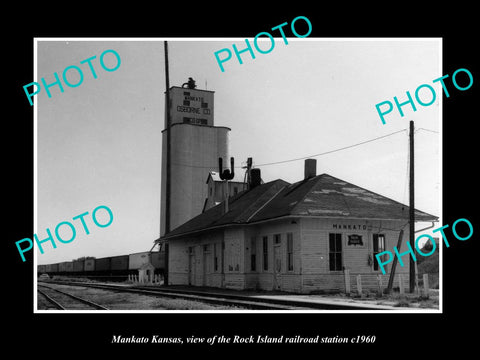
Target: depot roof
<point>322,196</point>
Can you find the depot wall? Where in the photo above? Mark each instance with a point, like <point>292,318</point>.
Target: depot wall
<point>358,259</point>
<point>224,258</point>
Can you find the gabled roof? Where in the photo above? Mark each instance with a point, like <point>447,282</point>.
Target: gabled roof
<point>327,196</point>
<point>319,196</point>
<point>241,207</point>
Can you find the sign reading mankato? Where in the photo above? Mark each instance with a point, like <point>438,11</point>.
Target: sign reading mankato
<point>349,227</point>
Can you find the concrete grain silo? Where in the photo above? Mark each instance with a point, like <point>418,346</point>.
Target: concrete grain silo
<point>196,145</point>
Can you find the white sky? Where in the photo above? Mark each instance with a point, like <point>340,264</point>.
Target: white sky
<point>100,143</point>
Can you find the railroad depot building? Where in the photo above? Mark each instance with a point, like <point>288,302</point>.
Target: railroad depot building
<point>298,237</point>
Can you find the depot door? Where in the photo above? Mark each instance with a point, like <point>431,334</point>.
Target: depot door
<point>191,265</point>
<point>206,265</point>
<point>277,267</point>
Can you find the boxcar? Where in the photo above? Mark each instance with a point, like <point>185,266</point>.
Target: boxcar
<point>102,264</point>
<point>51,268</point>
<point>90,265</point>
<point>78,265</point>
<point>158,260</point>
<point>62,267</point>
<point>135,261</point>
<point>119,263</point>
<point>69,266</point>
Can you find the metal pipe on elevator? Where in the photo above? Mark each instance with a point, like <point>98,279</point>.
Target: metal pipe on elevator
<point>226,175</point>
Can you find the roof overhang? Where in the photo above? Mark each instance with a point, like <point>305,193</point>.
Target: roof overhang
<point>165,238</point>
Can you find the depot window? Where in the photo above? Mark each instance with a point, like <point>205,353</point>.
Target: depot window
<point>335,251</point>
<point>378,247</point>
<point>265,252</point>
<point>277,239</point>
<point>253,253</point>
<point>215,258</point>
<point>290,251</point>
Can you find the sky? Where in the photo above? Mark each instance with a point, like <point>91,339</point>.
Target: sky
<point>100,143</point>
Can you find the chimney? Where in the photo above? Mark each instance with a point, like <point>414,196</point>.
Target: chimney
<point>255,178</point>
<point>310,168</point>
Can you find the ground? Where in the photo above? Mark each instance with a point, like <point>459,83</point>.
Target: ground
<point>394,299</point>
<point>126,301</point>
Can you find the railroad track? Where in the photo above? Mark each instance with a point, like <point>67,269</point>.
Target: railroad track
<point>249,302</point>
<point>205,298</point>
<point>62,300</point>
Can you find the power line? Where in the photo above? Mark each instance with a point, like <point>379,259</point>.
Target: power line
<point>303,157</point>
<point>433,131</point>
<point>332,151</point>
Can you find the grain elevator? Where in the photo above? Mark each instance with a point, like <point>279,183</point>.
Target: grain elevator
<point>196,145</point>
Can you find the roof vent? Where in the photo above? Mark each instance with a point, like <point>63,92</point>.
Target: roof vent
<point>255,178</point>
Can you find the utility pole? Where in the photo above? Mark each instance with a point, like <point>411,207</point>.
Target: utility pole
<point>168,165</point>
<point>412,209</point>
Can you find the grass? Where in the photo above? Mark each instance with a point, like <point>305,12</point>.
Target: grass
<point>394,298</point>
<point>409,300</point>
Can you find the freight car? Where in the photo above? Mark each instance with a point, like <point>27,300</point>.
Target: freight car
<point>119,264</point>
<point>69,267</point>
<point>65,267</point>
<point>78,266</point>
<point>112,268</point>
<point>135,261</point>
<point>158,261</point>
<point>51,268</point>
<point>89,265</point>
<point>102,266</point>
<point>62,267</point>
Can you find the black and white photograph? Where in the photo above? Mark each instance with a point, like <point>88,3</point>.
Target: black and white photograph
<point>311,186</point>
<point>276,187</point>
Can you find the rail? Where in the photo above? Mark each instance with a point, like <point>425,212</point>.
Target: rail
<point>259,302</point>
<point>62,307</point>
